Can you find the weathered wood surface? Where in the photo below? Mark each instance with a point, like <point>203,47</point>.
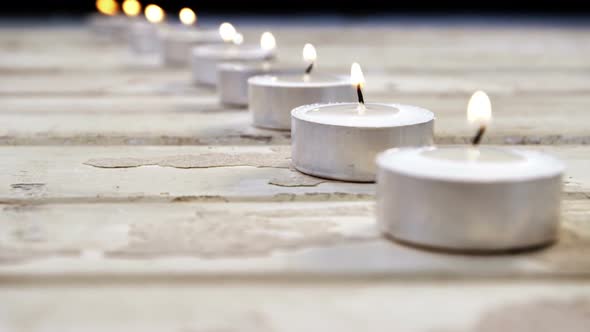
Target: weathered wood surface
<point>379,82</point>
<point>265,307</point>
<point>200,120</point>
<point>147,246</point>
<point>57,174</point>
<point>200,240</point>
<point>422,47</point>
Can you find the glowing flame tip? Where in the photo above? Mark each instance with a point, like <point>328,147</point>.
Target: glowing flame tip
<point>107,7</point>
<point>238,39</point>
<point>356,75</point>
<point>227,32</point>
<point>187,16</point>
<point>309,53</point>
<point>479,109</point>
<point>268,41</point>
<point>154,13</point>
<point>131,8</point>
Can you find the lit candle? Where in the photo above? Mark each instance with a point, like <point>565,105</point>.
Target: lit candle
<point>107,23</point>
<point>206,58</point>
<point>341,140</point>
<point>469,198</point>
<point>233,76</point>
<point>131,8</point>
<point>179,40</point>
<point>144,35</point>
<point>271,98</point>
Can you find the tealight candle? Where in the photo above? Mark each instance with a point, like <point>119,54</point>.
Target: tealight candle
<point>233,76</point>
<point>107,22</point>
<point>469,198</point>
<point>341,140</point>
<point>206,58</point>
<point>271,98</point>
<point>178,41</point>
<point>144,36</point>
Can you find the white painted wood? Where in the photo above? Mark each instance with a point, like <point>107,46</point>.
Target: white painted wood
<point>59,173</point>
<point>282,306</point>
<point>220,249</point>
<point>251,239</point>
<point>201,120</point>
<point>380,80</point>
<point>397,44</point>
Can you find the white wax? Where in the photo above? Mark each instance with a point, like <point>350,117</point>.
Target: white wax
<point>110,26</point>
<point>370,115</point>
<point>303,80</point>
<point>144,37</point>
<point>229,52</point>
<point>190,34</point>
<point>469,164</point>
<point>263,66</point>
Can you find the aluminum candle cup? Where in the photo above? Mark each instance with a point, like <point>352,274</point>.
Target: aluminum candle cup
<point>469,199</point>
<point>206,58</point>
<point>233,79</point>
<point>272,98</point>
<point>144,37</point>
<point>336,141</point>
<point>113,27</point>
<point>178,42</point>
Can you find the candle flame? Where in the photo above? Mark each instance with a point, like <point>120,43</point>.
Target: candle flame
<point>227,32</point>
<point>479,109</point>
<point>154,13</point>
<point>309,53</point>
<point>131,8</point>
<point>267,41</point>
<point>356,75</point>
<point>107,7</point>
<point>187,16</point>
<point>238,39</point>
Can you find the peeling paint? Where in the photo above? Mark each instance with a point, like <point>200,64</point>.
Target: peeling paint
<point>209,234</point>
<point>275,159</point>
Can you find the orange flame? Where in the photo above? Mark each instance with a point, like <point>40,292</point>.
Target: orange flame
<point>107,7</point>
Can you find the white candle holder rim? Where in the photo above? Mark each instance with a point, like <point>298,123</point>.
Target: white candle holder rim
<point>411,162</point>
<point>428,116</point>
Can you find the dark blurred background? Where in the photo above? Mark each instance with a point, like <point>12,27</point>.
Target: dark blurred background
<point>294,7</point>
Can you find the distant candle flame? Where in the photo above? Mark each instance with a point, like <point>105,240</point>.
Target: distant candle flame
<point>187,16</point>
<point>267,41</point>
<point>238,39</point>
<point>356,75</point>
<point>107,7</point>
<point>131,8</point>
<point>479,109</point>
<point>154,13</point>
<point>227,32</point>
<point>309,53</point>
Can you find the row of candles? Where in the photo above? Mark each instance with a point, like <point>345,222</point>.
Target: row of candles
<point>465,198</point>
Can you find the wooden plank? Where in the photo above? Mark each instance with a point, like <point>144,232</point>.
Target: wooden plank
<point>185,128</point>
<point>200,120</point>
<point>60,174</point>
<point>288,307</point>
<point>461,47</point>
<point>254,240</point>
<point>44,173</point>
<point>380,81</point>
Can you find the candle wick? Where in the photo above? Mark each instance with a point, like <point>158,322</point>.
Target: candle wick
<point>309,68</point>
<point>359,93</point>
<point>477,138</point>
<point>361,109</point>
